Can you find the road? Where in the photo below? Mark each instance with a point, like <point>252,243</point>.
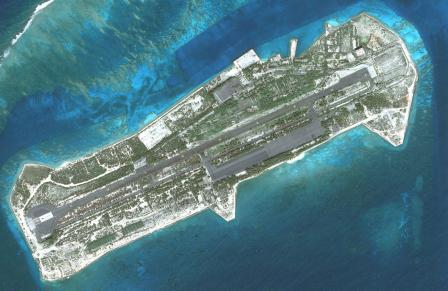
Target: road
<point>300,136</point>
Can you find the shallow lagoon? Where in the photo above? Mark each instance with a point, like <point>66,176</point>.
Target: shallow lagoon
<point>351,208</point>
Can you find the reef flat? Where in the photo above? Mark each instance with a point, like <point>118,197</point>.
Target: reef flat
<point>251,117</point>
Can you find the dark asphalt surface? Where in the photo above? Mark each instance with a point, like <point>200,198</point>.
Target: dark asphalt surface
<point>294,139</point>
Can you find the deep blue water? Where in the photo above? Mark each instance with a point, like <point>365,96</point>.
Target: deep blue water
<point>354,214</point>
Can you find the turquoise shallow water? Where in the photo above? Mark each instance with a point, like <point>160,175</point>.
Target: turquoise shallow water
<point>355,213</point>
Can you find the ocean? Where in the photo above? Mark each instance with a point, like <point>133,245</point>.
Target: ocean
<point>352,214</point>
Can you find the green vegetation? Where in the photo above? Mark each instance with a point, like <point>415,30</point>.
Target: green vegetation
<point>152,157</point>
<point>108,158</point>
<point>132,227</point>
<point>93,167</point>
<point>21,193</point>
<point>191,119</point>
<point>93,245</point>
<point>34,174</point>
<point>78,172</point>
<point>342,116</point>
<point>300,94</point>
<point>215,122</point>
<point>222,147</point>
<point>376,101</point>
<point>53,238</point>
<point>105,220</point>
<point>130,149</point>
<point>174,145</point>
<point>63,175</point>
<point>50,192</point>
<point>109,177</point>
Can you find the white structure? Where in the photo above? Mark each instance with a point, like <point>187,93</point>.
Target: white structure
<point>292,48</point>
<point>247,60</point>
<point>154,133</point>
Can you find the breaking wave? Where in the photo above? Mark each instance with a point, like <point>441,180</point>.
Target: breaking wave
<point>39,8</point>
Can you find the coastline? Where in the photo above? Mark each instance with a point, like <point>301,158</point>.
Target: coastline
<point>300,155</point>
<point>39,8</point>
<point>411,91</point>
<point>137,235</point>
<point>122,243</point>
<point>149,231</point>
<point>18,218</point>
<point>265,201</point>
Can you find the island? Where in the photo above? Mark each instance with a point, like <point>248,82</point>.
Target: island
<point>252,116</point>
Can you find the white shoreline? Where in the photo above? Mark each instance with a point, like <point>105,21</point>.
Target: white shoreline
<point>39,8</point>
<point>122,243</point>
<point>186,214</point>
